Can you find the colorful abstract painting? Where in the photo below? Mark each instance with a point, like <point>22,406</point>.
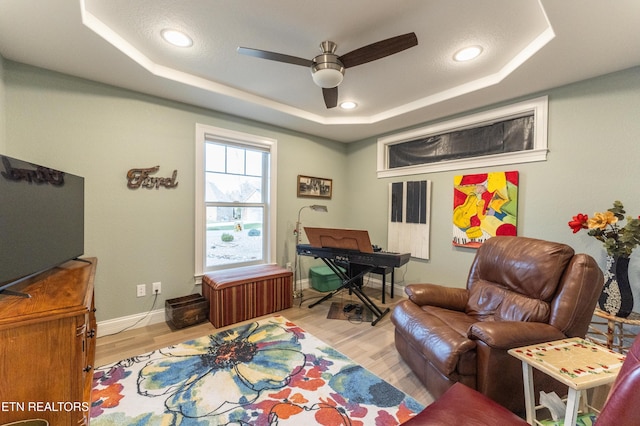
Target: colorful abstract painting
<point>484,205</point>
<point>267,372</point>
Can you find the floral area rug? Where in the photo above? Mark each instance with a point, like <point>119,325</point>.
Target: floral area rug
<point>268,372</point>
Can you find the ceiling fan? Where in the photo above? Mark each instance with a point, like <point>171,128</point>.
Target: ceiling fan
<point>327,69</point>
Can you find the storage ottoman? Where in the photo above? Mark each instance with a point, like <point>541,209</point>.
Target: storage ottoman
<point>240,294</point>
<point>324,279</point>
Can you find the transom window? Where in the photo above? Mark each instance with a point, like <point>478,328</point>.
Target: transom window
<point>511,134</point>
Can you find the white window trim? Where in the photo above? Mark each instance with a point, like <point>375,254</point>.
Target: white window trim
<point>204,132</point>
<point>539,107</point>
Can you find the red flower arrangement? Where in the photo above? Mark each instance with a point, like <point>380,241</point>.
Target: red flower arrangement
<point>618,241</point>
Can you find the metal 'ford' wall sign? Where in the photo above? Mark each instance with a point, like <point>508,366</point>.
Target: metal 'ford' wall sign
<point>139,178</point>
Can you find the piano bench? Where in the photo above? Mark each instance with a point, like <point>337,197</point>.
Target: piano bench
<point>240,294</point>
<point>383,271</point>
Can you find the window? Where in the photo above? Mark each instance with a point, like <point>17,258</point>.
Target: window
<point>513,134</point>
<point>235,199</point>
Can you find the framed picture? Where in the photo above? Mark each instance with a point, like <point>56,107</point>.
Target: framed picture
<point>314,187</point>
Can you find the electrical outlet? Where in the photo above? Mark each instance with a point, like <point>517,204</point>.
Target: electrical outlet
<point>157,287</point>
<point>288,266</point>
<point>141,290</point>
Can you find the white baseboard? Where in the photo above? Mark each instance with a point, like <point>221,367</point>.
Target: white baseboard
<point>132,322</point>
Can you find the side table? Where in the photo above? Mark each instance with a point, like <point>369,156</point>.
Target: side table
<point>615,334</point>
<point>576,362</point>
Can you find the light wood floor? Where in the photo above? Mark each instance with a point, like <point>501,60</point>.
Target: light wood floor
<point>370,346</point>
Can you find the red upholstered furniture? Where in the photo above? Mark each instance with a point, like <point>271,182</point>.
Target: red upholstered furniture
<point>623,405</point>
<point>520,291</point>
<point>240,294</point>
<point>461,405</point>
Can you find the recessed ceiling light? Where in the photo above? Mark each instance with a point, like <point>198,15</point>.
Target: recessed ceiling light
<point>468,53</point>
<point>177,38</point>
<point>348,105</point>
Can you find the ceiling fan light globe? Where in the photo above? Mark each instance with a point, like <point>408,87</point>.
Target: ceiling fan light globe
<point>327,71</point>
<point>327,78</point>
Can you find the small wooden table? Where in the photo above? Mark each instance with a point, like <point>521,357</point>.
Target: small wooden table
<point>576,362</point>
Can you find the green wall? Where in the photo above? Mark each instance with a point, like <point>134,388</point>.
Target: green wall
<point>142,236</point>
<point>593,159</point>
<point>3,133</point>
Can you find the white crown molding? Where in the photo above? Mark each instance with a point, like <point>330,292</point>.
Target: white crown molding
<point>110,35</point>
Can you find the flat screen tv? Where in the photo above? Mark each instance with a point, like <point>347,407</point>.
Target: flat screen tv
<point>41,219</point>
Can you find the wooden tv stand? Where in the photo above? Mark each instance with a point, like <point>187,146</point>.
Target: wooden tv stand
<point>47,346</point>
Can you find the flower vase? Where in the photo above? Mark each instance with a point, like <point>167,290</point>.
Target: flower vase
<point>616,297</point>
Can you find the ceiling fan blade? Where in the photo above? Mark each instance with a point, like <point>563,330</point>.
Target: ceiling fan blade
<point>379,50</point>
<point>330,97</point>
<point>280,57</point>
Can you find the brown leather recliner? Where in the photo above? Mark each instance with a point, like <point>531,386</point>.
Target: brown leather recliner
<point>520,291</point>
<point>463,406</point>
